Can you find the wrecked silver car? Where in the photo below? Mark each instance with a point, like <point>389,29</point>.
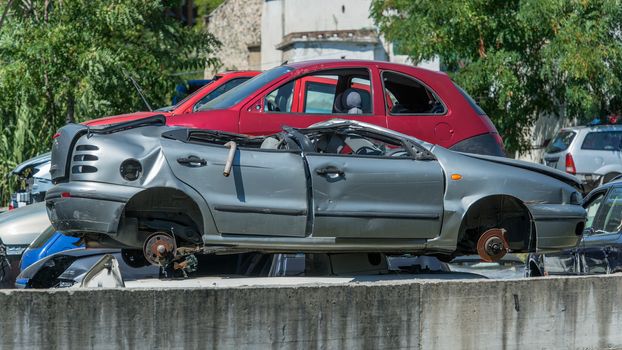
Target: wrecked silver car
<point>338,186</point>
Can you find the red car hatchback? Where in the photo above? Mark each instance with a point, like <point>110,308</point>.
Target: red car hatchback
<point>411,100</point>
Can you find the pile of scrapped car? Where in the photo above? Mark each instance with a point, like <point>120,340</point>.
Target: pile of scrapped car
<point>319,157</point>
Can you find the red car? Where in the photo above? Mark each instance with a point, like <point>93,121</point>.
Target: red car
<point>411,100</point>
<point>221,83</point>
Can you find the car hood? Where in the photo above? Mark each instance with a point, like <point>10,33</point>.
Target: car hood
<point>32,163</point>
<point>122,118</point>
<point>22,225</point>
<point>538,168</point>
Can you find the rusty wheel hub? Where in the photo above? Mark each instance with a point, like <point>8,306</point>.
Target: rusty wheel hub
<point>160,248</point>
<point>492,245</point>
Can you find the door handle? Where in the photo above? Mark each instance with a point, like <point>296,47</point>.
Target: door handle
<point>192,161</point>
<point>329,171</point>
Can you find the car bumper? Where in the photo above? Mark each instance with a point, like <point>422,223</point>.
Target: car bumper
<point>558,226</point>
<point>88,207</point>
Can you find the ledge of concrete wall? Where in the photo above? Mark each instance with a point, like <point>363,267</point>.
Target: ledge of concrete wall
<point>553,313</point>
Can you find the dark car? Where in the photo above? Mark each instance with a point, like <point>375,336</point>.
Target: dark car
<point>600,249</point>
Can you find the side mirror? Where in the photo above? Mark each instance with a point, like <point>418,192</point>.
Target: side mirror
<point>588,231</point>
<point>546,143</point>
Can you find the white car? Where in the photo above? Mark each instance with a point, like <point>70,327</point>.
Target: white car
<point>591,153</point>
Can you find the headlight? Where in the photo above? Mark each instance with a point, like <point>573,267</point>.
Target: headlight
<point>131,169</point>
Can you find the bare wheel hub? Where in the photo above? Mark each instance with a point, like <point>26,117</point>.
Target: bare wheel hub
<point>492,245</point>
<point>160,248</point>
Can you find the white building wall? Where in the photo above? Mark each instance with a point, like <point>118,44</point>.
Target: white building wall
<point>271,33</point>
<point>313,51</point>
<point>319,15</point>
<point>282,17</point>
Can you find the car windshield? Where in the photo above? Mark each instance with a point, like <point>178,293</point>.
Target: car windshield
<point>43,237</point>
<point>240,92</point>
<point>561,142</point>
<point>603,141</point>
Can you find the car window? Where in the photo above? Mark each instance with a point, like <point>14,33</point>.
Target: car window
<point>561,142</point>
<point>219,91</point>
<point>43,237</point>
<point>408,96</point>
<point>592,209</point>
<point>240,92</point>
<point>603,141</point>
<point>319,98</point>
<point>356,144</point>
<point>609,217</point>
<point>338,91</point>
<point>281,99</point>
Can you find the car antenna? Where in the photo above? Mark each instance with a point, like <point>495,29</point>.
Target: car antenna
<point>139,90</point>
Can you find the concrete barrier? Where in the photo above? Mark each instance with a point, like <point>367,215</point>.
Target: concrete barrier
<point>551,313</point>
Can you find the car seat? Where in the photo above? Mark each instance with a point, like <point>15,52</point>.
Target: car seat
<point>349,102</point>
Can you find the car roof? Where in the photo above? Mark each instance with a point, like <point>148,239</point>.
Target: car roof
<point>245,73</point>
<point>335,63</point>
<point>595,128</point>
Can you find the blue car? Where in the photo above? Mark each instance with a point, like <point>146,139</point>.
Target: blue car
<point>49,242</point>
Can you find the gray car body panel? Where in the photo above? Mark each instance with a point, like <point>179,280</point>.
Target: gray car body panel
<point>274,200</point>
<point>22,225</point>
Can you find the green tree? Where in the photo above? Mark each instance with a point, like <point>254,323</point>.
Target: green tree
<point>520,59</point>
<point>69,61</point>
<point>205,7</point>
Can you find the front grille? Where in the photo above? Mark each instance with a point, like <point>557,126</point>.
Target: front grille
<point>83,169</point>
<point>84,158</point>
<point>83,162</point>
<point>87,148</point>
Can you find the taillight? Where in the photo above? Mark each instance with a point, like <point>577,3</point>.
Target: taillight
<point>570,168</point>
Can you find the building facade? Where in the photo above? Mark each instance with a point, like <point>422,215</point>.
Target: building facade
<point>261,34</point>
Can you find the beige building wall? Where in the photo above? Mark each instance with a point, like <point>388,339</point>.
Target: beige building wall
<point>237,24</point>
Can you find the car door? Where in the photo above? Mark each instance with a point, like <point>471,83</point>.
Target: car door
<point>265,194</point>
<point>604,224</point>
<point>312,98</point>
<point>415,109</point>
<point>359,193</point>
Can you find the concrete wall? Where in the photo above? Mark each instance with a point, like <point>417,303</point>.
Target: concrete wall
<point>549,313</point>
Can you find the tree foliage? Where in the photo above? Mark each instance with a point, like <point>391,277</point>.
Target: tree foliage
<point>520,59</point>
<point>69,60</point>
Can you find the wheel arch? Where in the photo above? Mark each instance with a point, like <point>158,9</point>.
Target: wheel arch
<point>157,208</point>
<point>497,211</point>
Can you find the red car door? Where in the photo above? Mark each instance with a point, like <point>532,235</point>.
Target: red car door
<point>313,98</point>
<point>414,108</point>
